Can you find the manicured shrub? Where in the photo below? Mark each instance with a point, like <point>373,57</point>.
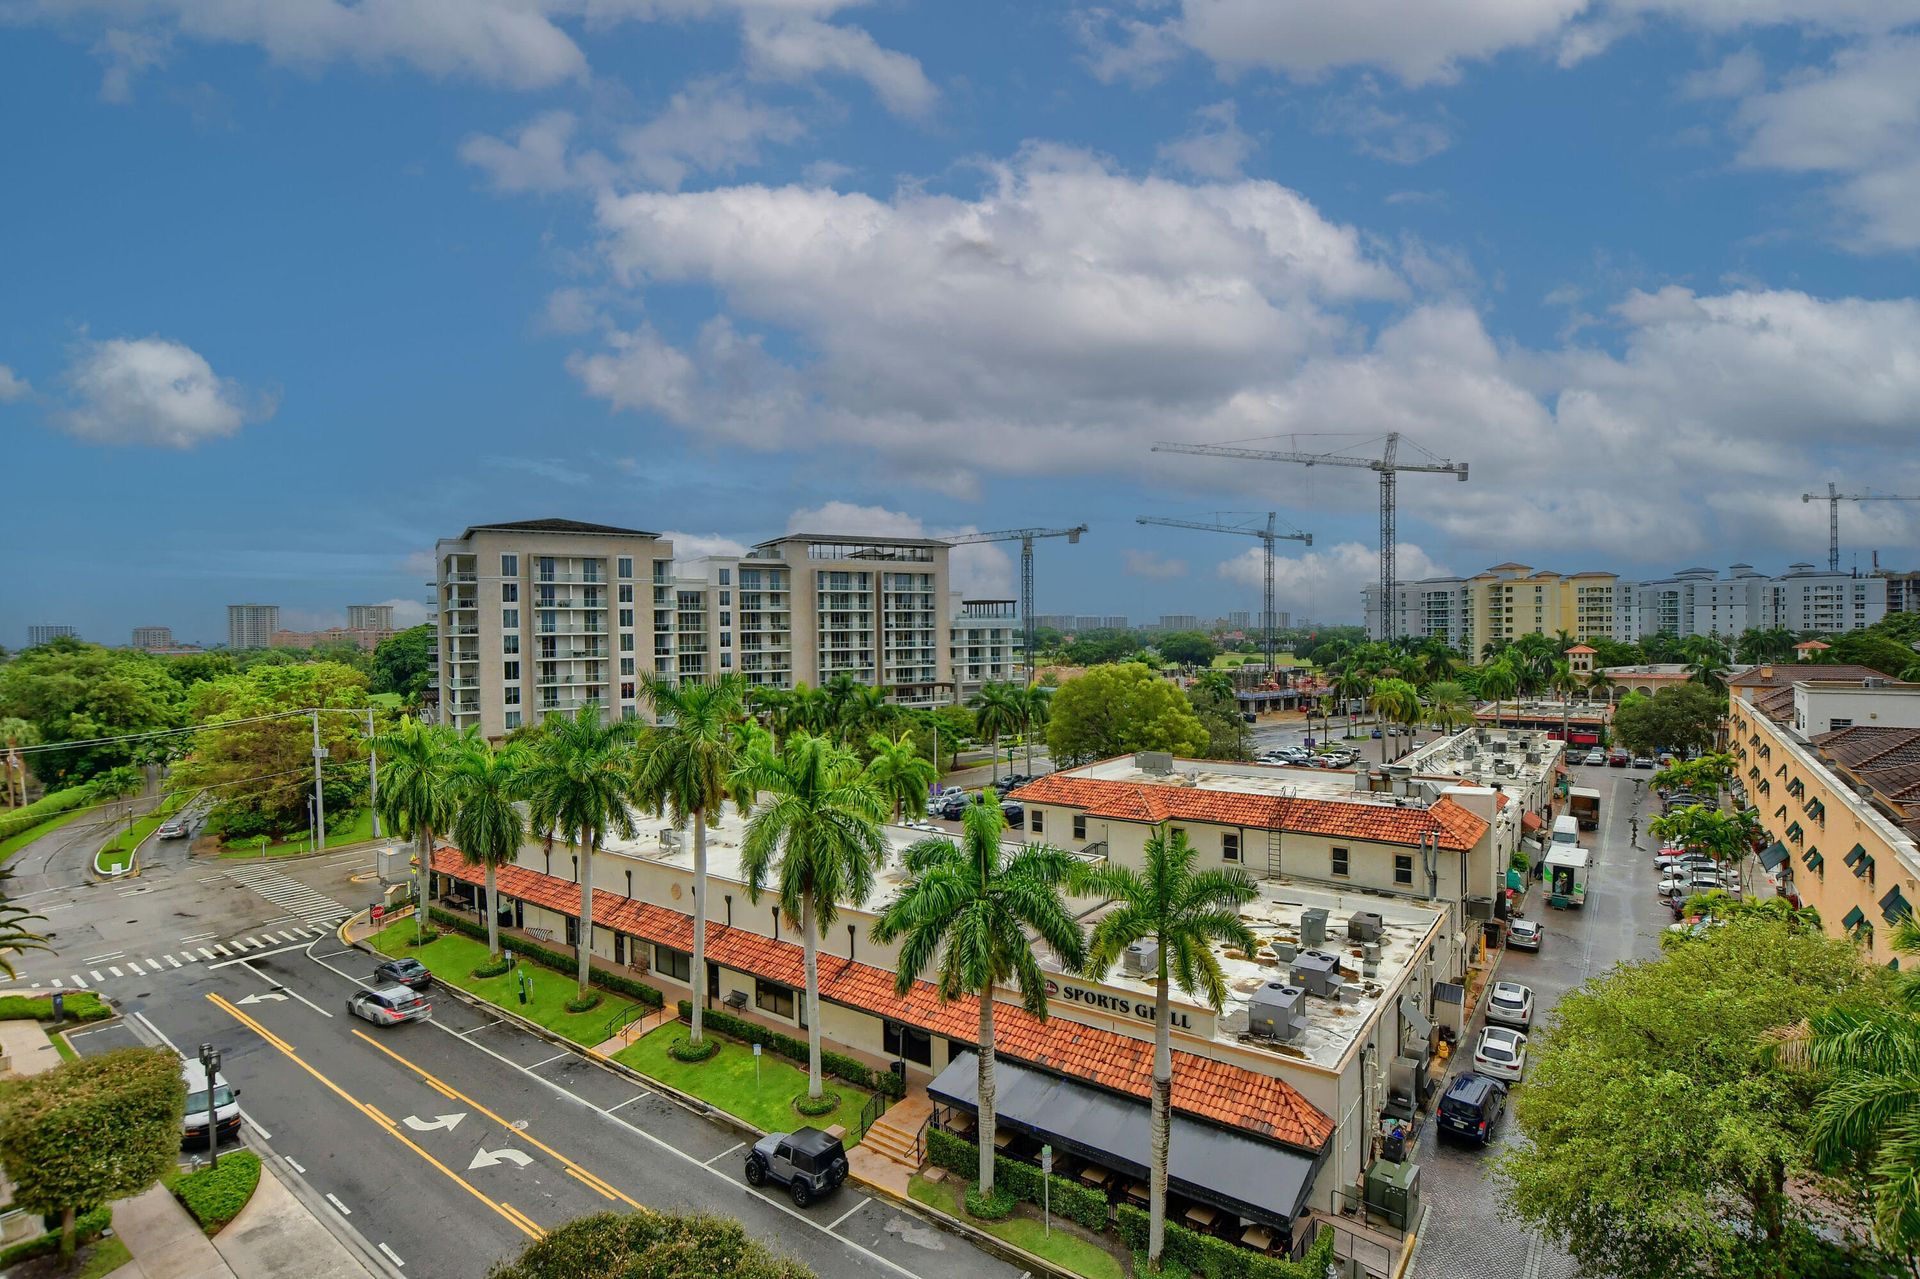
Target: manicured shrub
<point>839,1065</point>
<point>648,1246</point>
<point>1218,1259</point>
<point>81,1005</point>
<point>995,1207</point>
<point>492,968</point>
<point>813,1107</point>
<point>87,1227</point>
<point>584,1003</point>
<point>681,1050</point>
<point>215,1196</point>
<point>1023,1181</point>
<point>45,808</point>
<point>638,991</point>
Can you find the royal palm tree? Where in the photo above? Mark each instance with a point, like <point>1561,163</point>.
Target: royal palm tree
<point>839,692</point>
<point>416,792</point>
<point>684,769</point>
<point>819,830</point>
<point>1181,910</point>
<point>865,711</point>
<point>1447,702</point>
<point>899,772</point>
<point>1602,683</point>
<point>967,913</point>
<point>996,709</point>
<point>1396,700</point>
<point>1498,682</point>
<point>580,780</point>
<point>811,711</point>
<point>488,826</point>
<point>1036,708</point>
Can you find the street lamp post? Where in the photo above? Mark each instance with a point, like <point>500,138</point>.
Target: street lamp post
<point>210,1063</point>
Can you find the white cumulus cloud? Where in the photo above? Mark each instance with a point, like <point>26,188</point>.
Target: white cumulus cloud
<point>12,386</point>
<point>691,546</point>
<point>152,391</point>
<point>800,48</point>
<point>1324,583</point>
<point>978,570</point>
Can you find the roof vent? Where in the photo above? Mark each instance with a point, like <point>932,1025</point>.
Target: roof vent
<point>1160,762</point>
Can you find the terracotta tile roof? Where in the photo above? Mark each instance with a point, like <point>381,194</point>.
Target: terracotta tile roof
<point>1869,750</point>
<point>1155,803</point>
<point>1220,1092</point>
<point>1783,674</point>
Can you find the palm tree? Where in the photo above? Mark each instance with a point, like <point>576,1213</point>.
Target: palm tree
<point>1498,681</point>
<point>865,710</point>
<point>899,773</point>
<point>684,769</point>
<point>1600,682</point>
<point>1869,1112</point>
<point>1447,702</point>
<point>1036,708</point>
<point>996,708</point>
<point>579,780</point>
<point>1180,910</point>
<point>416,792</point>
<point>488,827</point>
<point>1397,700</point>
<point>14,934</point>
<point>967,912</point>
<point>838,693</point>
<point>821,825</point>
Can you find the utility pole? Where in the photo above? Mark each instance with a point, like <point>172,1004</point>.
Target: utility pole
<point>373,776</point>
<point>319,800</point>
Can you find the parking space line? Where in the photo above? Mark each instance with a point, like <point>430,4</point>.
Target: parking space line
<point>335,1201</point>
<point>835,1223</point>
<point>723,1154</point>
<point>392,1256</point>
<point>628,1102</point>
<point>497,1021</point>
<point>549,1061</point>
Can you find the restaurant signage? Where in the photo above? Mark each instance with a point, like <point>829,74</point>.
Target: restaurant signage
<point>1123,1004</point>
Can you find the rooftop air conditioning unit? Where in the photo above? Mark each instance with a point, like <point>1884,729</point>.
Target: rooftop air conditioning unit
<point>1313,928</point>
<point>1317,971</point>
<point>1397,770</point>
<point>1141,958</point>
<point>669,837</point>
<point>1533,757</point>
<point>1284,951</point>
<point>1277,1011</point>
<point>1364,925</point>
<point>1160,762</point>
<point>1370,952</point>
<point>1873,681</point>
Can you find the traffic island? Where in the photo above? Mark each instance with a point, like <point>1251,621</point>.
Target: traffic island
<point>215,1195</point>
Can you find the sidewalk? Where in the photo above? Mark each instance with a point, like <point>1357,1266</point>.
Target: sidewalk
<point>273,1235</point>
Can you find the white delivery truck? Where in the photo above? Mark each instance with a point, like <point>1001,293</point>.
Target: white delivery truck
<point>1568,872</point>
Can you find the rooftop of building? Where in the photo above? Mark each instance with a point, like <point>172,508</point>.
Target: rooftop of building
<point>1512,757</point>
<point>1576,712</point>
<point>853,541</point>
<point>1307,801</point>
<point>556,526</point>
<point>1786,674</point>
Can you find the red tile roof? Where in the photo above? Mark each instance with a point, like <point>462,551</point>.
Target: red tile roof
<point>1153,802</point>
<point>1226,1094</point>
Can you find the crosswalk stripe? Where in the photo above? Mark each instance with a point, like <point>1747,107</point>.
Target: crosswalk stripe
<point>75,979</point>
<point>152,962</point>
<point>222,949</point>
<point>291,934</point>
<point>205,953</point>
<point>115,971</point>
<point>56,981</point>
<point>173,961</point>
<point>137,970</point>
<point>95,974</point>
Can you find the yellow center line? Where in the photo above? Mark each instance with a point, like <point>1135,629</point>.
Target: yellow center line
<point>515,1214</point>
<point>591,1183</point>
<point>584,1175</point>
<point>518,1220</point>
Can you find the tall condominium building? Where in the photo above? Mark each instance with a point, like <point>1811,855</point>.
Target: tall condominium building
<point>369,617</point>
<point>1178,622</point>
<point>45,633</point>
<point>151,637</point>
<point>1903,591</point>
<point>252,625</point>
<point>1511,600</point>
<point>1239,620</point>
<point>544,615</point>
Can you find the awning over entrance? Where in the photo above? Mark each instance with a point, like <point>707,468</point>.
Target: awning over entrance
<point>1530,822</point>
<point>1255,1179</point>
<point>1775,854</point>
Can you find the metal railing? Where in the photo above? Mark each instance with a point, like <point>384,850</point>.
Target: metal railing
<point>621,1020</point>
<point>876,1106</point>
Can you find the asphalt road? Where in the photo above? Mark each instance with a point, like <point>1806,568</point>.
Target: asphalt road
<point>1467,1235</point>
<point>440,1145</point>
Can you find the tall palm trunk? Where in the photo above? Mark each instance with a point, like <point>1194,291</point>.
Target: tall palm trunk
<point>697,975</point>
<point>1162,1118</point>
<point>985,1088</point>
<point>585,938</point>
<point>1026,731</point>
<point>492,905</point>
<point>425,852</point>
<point>996,761</point>
<point>812,997</point>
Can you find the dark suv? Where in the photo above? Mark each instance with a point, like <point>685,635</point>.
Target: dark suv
<point>808,1162</point>
<point>1471,1108</point>
<point>408,972</point>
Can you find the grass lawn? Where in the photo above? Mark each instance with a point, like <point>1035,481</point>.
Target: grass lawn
<point>15,843</point>
<point>61,1046</point>
<point>356,829</point>
<point>1063,1247</point>
<point>453,957</point>
<point>727,1080</point>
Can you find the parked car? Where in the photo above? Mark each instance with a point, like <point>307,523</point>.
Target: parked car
<point>1471,1107</point>
<point>1641,761</point>
<point>1016,815</point>
<point>808,1162</point>
<point>1524,934</point>
<point>1510,1004</point>
<point>1501,1053</point>
<point>949,806</point>
<point>1678,880</point>
<point>1618,759</point>
<point>219,1106</point>
<point>1595,756</point>
<point>408,972</point>
<point>388,1006</point>
<point>175,828</point>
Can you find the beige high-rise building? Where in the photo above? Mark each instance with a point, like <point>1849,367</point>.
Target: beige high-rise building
<point>252,625</point>
<point>544,615</point>
<point>369,617</point>
<point>152,637</point>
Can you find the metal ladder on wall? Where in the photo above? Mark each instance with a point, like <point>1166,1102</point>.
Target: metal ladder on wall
<point>1273,854</point>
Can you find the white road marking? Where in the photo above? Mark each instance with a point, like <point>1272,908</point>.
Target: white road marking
<point>285,935</point>
<point>222,949</point>
<point>144,1020</point>
<point>335,1201</point>
<point>153,963</point>
<point>628,1102</point>
<point>76,979</point>
<point>135,969</point>
<point>205,953</point>
<point>723,1154</point>
<point>94,959</point>
<point>253,1124</point>
<point>392,1256</point>
<point>477,1029</point>
<point>835,1223</point>
<point>173,961</point>
<point>115,971</point>
<point>262,954</point>
<point>56,982</point>
<point>197,937</point>
<point>294,1164</point>
<point>278,990</point>
<point>549,1061</point>
<point>95,974</point>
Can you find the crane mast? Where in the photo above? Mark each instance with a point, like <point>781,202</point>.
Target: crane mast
<point>1269,535</point>
<point>1833,497</point>
<point>1024,536</point>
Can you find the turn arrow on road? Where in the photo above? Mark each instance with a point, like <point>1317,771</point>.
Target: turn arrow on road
<point>488,1158</point>
<point>438,1121</point>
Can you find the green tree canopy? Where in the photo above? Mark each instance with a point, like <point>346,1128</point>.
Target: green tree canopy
<point>1093,648</point>
<point>72,691</point>
<point>1189,648</point>
<point>404,662</point>
<point>91,1131</point>
<point>1219,714</point>
<point>1117,709</point>
<point>1661,1130</point>
<point>1679,717</point>
<point>648,1246</point>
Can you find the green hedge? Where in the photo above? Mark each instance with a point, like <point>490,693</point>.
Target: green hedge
<point>87,1227</point>
<point>1023,1181</point>
<point>81,1005</point>
<point>1218,1259</point>
<point>46,807</point>
<point>839,1065</point>
<point>559,961</point>
<point>215,1196</point>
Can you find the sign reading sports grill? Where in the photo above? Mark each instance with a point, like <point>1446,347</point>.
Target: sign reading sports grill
<point>1124,1004</point>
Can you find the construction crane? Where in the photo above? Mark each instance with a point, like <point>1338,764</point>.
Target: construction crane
<point>1269,535</point>
<point>1025,537</point>
<point>1387,465</point>
<point>1833,497</point>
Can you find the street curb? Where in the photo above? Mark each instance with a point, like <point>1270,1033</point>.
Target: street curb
<point>328,851</point>
<point>1010,1253</point>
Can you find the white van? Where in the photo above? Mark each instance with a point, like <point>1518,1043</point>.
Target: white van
<point>1566,830</point>
<point>226,1105</point>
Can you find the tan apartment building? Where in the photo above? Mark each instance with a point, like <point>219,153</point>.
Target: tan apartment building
<point>1830,759</point>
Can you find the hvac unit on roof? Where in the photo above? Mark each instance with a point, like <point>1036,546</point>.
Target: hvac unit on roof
<point>1313,928</point>
<point>1141,958</point>
<point>1317,971</point>
<point>1154,761</point>
<point>1277,1011</point>
<point>1364,925</point>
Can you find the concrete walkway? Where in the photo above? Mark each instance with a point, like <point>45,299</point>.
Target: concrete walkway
<point>273,1235</point>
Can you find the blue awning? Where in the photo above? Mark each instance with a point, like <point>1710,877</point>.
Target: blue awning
<point>1257,1179</point>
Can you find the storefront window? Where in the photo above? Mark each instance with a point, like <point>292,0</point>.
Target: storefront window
<point>673,963</point>
<point>771,997</point>
<point>908,1042</point>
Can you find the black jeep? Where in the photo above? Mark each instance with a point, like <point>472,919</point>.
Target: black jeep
<point>808,1162</point>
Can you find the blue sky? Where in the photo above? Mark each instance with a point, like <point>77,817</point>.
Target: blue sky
<point>294,287</point>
